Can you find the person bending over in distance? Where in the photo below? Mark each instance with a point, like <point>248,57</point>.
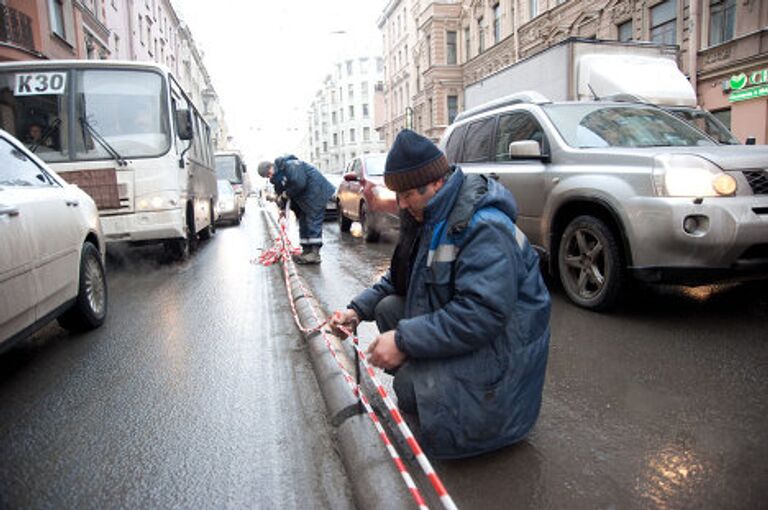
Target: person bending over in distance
<point>308,191</point>
<point>463,312</point>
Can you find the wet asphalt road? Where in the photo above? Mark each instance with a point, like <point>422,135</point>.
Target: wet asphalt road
<point>661,404</point>
<point>196,394</point>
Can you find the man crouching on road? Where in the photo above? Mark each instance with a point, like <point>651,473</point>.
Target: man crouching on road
<point>463,311</point>
<point>308,191</point>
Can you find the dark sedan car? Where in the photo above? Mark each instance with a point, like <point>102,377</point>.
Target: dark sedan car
<point>363,197</point>
<point>331,207</point>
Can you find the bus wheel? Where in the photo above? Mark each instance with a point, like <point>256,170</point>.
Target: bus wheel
<point>178,249</point>
<point>208,231</point>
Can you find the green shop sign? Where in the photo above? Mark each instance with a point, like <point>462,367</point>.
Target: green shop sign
<point>748,86</point>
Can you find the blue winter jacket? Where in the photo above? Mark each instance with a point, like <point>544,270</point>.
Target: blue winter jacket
<point>303,183</point>
<point>476,324</point>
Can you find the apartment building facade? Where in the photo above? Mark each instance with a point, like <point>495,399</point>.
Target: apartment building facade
<point>723,50</point>
<point>341,117</point>
<point>136,30</point>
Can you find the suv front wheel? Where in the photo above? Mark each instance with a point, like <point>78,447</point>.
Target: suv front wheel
<point>590,263</point>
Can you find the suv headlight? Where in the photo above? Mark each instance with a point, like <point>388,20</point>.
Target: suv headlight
<point>686,175</point>
<point>157,202</point>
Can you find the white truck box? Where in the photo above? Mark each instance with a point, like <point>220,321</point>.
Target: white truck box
<point>580,69</point>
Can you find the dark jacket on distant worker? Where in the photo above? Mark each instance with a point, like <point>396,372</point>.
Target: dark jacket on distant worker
<point>303,183</point>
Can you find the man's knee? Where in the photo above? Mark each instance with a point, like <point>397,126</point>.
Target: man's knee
<point>388,312</point>
<point>403,386</point>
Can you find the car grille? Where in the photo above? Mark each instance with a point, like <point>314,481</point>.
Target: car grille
<point>758,181</point>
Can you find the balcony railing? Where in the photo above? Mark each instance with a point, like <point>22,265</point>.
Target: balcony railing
<point>16,28</point>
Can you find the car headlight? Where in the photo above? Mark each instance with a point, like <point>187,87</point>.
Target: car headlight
<point>686,175</point>
<point>157,202</point>
<point>383,193</point>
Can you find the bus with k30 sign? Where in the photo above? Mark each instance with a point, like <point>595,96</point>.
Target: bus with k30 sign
<point>127,134</point>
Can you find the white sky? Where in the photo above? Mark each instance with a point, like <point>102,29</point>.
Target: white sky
<point>268,58</point>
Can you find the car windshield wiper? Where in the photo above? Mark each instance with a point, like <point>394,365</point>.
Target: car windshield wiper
<point>103,142</point>
<point>45,135</point>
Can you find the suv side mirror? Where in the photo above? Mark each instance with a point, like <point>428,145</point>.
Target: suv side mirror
<point>350,177</point>
<point>184,124</point>
<point>524,149</point>
<point>245,169</point>
<point>750,140</point>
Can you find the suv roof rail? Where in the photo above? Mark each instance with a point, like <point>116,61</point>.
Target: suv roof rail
<point>528,96</point>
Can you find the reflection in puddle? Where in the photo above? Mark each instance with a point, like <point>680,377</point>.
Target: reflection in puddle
<point>356,230</point>
<point>674,475</point>
<point>699,294</point>
<point>705,293</point>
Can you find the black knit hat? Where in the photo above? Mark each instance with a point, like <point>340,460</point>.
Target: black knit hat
<point>413,161</point>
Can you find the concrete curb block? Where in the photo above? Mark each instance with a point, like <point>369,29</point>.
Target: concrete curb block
<point>376,483</point>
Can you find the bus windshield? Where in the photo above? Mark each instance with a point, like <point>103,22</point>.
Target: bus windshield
<point>127,109</point>
<point>227,168</point>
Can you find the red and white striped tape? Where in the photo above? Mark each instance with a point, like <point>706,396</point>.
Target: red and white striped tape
<point>421,457</point>
<point>405,430</point>
<point>281,251</point>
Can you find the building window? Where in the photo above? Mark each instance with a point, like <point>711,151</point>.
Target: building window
<point>335,139</point>
<point>418,78</point>
<point>450,47</point>
<point>350,92</point>
<point>466,44</point>
<point>664,22</point>
<point>363,66</point>
<point>625,31</point>
<point>496,23</point>
<point>141,29</point>
<point>480,36</point>
<point>352,136</point>
<point>333,118</point>
<point>351,112</point>
<point>366,134</point>
<point>349,68</point>
<point>453,108</point>
<point>722,15</point>
<point>429,50</point>
<point>365,111</point>
<point>57,17</point>
<point>533,7</point>
<point>364,89</point>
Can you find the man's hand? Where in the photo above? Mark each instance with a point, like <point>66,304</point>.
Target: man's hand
<point>383,352</point>
<point>347,318</point>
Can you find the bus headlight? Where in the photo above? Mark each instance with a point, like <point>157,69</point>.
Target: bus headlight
<point>157,202</point>
<point>686,175</point>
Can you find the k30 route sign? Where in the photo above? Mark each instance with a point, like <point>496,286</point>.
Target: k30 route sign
<point>35,84</point>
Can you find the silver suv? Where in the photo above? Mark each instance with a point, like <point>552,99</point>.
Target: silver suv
<point>609,191</point>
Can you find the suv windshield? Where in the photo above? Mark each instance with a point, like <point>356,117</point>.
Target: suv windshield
<point>597,125</point>
<point>706,123</point>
